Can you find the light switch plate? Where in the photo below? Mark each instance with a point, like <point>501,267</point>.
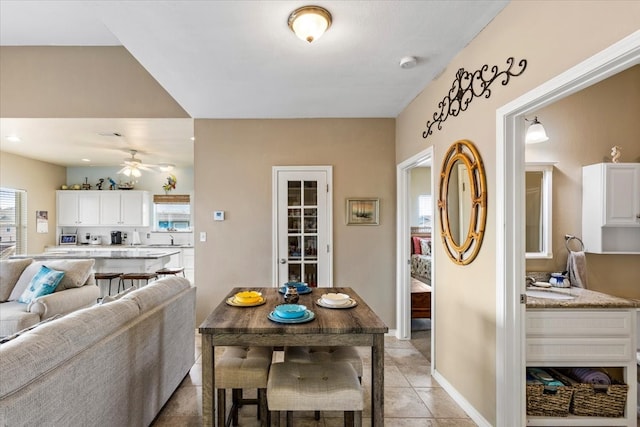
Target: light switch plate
<point>203,236</point>
<point>218,215</point>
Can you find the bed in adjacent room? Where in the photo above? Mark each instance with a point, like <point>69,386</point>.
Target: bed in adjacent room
<point>420,273</point>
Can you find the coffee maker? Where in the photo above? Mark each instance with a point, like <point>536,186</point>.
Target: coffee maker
<point>116,237</point>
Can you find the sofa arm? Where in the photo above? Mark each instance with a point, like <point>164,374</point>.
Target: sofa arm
<point>64,302</point>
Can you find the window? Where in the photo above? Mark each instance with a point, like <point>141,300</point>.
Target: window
<point>13,222</point>
<point>171,213</point>
<point>425,209</point>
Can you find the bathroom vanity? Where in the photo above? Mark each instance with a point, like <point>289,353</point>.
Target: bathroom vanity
<point>589,330</point>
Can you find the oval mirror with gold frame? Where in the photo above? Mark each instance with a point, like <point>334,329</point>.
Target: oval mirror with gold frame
<point>462,202</point>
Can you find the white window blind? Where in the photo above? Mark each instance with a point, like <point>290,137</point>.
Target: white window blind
<point>425,207</point>
<point>13,222</point>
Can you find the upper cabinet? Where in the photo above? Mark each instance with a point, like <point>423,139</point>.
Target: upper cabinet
<point>78,208</point>
<point>130,208</point>
<point>97,208</point>
<point>611,208</point>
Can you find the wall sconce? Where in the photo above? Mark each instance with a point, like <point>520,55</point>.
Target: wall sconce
<point>535,132</point>
<point>309,22</point>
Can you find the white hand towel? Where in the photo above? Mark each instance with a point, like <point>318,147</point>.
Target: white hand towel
<point>577,268</point>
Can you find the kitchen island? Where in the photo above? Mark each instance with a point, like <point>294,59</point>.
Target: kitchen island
<point>583,329</point>
<point>114,261</point>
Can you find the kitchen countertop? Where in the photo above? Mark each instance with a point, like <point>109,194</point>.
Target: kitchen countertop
<point>115,247</point>
<point>584,298</point>
<point>102,254</point>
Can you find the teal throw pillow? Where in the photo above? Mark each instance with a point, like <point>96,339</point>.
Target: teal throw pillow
<point>43,283</point>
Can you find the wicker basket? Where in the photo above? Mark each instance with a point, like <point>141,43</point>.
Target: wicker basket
<point>549,403</point>
<point>609,402</point>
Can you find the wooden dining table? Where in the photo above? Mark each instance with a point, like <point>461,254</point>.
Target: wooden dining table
<point>230,325</point>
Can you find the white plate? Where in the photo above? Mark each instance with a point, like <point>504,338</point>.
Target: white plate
<point>351,303</point>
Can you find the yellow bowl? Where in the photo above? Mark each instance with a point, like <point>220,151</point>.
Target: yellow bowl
<point>248,297</point>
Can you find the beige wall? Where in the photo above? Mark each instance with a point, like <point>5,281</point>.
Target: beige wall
<point>552,38</point>
<point>74,82</point>
<point>233,166</point>
<point>582,129</point>
<point>40,180</point>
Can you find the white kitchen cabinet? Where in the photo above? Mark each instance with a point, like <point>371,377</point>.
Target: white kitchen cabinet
<point>611,208</point>
<point>78,208</point>
<point>604,338</point>
<point>124,208</point>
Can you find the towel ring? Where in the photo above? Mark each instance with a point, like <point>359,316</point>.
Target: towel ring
<point>567,240</point>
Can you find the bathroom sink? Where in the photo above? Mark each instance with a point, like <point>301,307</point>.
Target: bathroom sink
<point>535,293</point>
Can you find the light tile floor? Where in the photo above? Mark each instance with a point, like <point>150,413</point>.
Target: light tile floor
<point>412,396</point>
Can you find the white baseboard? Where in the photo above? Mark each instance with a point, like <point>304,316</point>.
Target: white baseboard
<point>392,333</point>
<point>461,401</point>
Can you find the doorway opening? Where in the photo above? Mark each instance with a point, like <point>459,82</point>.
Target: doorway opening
<point>415,275</point>
<point>510,202</point>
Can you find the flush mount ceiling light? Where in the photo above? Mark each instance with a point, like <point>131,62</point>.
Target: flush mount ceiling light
<point>535,132</point>
<point>309,22</point>
<point>13,138</point>
<point>408,62</point>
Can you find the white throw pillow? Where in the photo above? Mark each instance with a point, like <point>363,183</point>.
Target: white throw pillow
<point>10,271</point>
<point>77,271</point>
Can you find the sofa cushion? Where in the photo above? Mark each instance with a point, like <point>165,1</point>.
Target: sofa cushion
<point>77,272</point>
<point>43,283</point>
<point>10,271</point>
<point>14,317</point>
<point>157,292</point>
<point>52,344</point>
<point>27,329</point>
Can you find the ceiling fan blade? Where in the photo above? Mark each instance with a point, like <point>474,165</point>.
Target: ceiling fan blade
<point>122,170</point>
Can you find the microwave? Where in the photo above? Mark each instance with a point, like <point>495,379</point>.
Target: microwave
<point>68,239</point>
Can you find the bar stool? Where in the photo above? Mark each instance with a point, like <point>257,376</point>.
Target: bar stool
<point>109,277</point>
<point>239,368</point>
<point>135,276</point>
<point>315,387</point>
<point>171,271</point>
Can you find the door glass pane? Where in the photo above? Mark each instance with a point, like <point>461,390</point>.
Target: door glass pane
<point>311,275</point>
<point>311,220</point>
<point>295,193</point>
<point>295,272</point>
<point>310,193</point>
<point>294,221</point>
<point>294,247</point>
<point>310,247</point>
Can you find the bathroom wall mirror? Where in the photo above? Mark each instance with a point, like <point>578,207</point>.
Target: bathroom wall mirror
<point>538,190</point>
<point>462,202</point>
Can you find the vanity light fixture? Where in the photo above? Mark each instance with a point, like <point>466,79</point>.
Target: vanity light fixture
<point>535,132</point>
<point>309,22</point>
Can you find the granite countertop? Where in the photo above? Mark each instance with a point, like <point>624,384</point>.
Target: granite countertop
<point>102,254</point>
<point>583,298</point>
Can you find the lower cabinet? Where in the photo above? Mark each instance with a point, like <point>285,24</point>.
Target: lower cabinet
<point>186,259</point>
<point>598,338</point>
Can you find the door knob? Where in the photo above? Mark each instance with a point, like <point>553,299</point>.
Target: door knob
<point>283,261</point>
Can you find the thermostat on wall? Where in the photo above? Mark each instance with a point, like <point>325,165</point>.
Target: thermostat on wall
<point>218,215</point>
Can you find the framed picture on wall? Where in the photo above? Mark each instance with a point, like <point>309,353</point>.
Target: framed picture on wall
<point>363,211</point>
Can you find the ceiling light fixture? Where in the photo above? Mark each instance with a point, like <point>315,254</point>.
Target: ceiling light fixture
<point>13,138</point>
<point>132,166</point>
<point>535,132</point>
<point>309,22</point>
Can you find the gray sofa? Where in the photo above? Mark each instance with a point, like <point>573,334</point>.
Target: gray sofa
<point>112,364</point>
<point>76,290</point>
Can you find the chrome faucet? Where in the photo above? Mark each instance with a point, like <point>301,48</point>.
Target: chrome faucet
<point>171,239</point>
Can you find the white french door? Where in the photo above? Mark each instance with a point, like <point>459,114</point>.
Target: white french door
<point>302,225</point>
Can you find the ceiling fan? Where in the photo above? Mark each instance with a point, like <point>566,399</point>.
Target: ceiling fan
<point>134,166</point>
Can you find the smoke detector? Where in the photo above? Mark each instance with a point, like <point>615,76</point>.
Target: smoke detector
<point>408,62</point>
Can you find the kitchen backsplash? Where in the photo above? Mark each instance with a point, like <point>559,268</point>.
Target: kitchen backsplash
<point>147,237</point>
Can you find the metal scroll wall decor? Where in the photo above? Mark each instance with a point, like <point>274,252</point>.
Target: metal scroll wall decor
<point>462,202</point>
<point>469,85</point>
